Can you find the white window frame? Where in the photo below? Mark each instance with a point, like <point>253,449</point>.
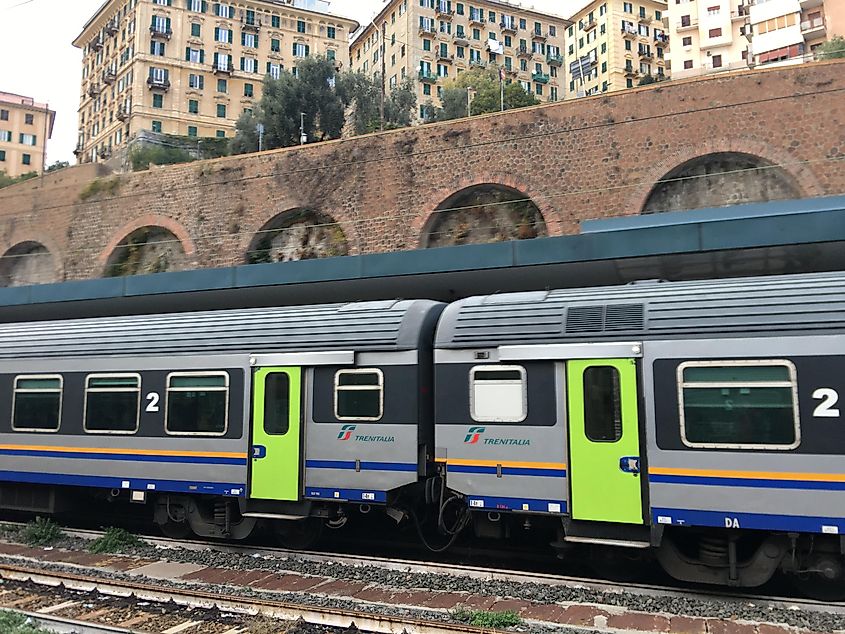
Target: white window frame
<point>299,49</point>
<point>100,390</point>
<point>359,388</point>
<point>196,6</point>
<point>15,391</point>
<point>169,389</point>
<point>523,381</point>
<point>792,383</point>
<point>250,40</point>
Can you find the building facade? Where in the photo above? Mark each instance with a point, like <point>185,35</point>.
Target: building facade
<point>191,67</point>
<point>614,44</point>
<point>789,31</point>
<point>25,127</point>
<point>708,36</point>
<point>433,41</point>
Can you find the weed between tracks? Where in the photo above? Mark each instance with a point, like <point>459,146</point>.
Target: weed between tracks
<point>482,618</point>
<point>42,531</point>
<point>11,623</point>
<point>116,540</point>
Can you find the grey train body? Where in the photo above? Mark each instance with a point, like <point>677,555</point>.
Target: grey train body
<point>696,420</point>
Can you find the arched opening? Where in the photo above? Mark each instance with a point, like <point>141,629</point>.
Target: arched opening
<point>146,250</point>
<point>482,214</point>
<point>27,263</point>
<point>720,180</point>
<point>297,234</point>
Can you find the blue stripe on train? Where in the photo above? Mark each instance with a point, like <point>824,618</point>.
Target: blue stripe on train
<point>517,471</point>
<point>746,482</point>
<point>516,504</point>
<point>80,455</point>
<point>346,495</point>
<point>134,484</point>
<point>756,521</point>
<point>364,466</point>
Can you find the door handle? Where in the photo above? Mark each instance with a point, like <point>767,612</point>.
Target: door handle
<point>630,464</point>
<point>259,452</point>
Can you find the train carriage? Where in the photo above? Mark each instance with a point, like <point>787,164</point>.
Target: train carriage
<point>699,418</point>
<point>219,418</point>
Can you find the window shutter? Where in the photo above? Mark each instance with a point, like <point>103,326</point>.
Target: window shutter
<point>188,54</point>
<point>202,56</point>
<point>243,39</point>
<point>188,4</point>
<point>167,25</point>
<point>152,48</point>
<point>153,21</point>
<point>268,68</point>
<point>202,82</point>
<point>166,74</point>
<point>216,34</point>
<point>216,59</point>
<point>231,36</point>
<point>217,9</point>
<point>204,6</point>
<point>307,49</point>
<point>256,41</point>
<point>151,72</point>
<point>231,62</point>
<point>242,63</point>
<point>294,49</point>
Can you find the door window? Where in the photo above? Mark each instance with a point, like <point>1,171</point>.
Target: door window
<point>602,404</point>
<point>277,404</point>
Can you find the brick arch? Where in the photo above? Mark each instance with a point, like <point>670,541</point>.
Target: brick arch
<point>799,173</point>
<point>297,233</point>
<point>23,244</point>
<point>188,246</point>
<point>424,222</point>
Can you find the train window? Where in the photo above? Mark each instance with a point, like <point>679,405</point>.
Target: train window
<point>739,404</point>
<point>359,394</point>
<point>276,404</point>
<point>112,403</point>
<point>602,404</point>
<point>498,394</point>
<point>197,403</point>
<point>37,403</point>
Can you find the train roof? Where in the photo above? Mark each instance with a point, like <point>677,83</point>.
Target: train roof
<point>728,307</point>
<point>393,325</point>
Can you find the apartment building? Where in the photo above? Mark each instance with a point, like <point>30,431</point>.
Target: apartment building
<point>788,31</point>
<point>614,44</point>
<point>25,127</point>
<point>433,41</point>
<point>191,67</point>
<point>708,36</point>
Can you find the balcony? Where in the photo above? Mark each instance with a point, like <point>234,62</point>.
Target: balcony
<point>540,78</point>
<point>220,69</point>
<point>250,24</point>
<point>645,19</point>
<point>428,30</point>
<point>511,72</point>
<point>94,90</point>
<point>476,20</point>
<point>631,72</point>
<point>461,39</point>
<point>444,13</point>
<point>554,60</point>
<point>646,56</point>
<point>164,34</point>
<point>681,26</point>
<point>109,76</point>
<point>508,28</point>
<point>445,57</point>
<point>538,36</point>
<point>478,63</point>
<point>739,15</point>
<point>662,40</point>
<point>111,27</point>
<point>122,114</point>
<point>157,83</point>
<point>814,28</point>
<point>811,4</point>
<point>96,44</point>
<point>630,33</point>
<point>589,25</point>
<point>79,149</point>
<point>426,76</point>
<point>524,51</point>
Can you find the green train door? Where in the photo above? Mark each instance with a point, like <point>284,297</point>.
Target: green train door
<point>604,442</point>
<point>276,434</point>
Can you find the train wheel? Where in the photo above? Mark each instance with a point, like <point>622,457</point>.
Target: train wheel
<point>826,579</point>
<point>299,534</point>
<point>176,530</point>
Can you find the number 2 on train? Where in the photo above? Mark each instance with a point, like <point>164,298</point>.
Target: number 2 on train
<point>828,398</point>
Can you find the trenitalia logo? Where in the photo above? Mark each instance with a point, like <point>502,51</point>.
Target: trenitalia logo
<point>473,435</point>
<point>346,432</point>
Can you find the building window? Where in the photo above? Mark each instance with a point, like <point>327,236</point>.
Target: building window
<point>628,7</point>
<point>158,101</point>
<point>687,64</point>
<point>192,130</point>
<point>498,394</point>
<point>2,156</point>
<point>193,106</point>
<point>331,32</point>
<point>715,33</point>
<point>4,115</point>
<point>426,45</point>
<point>29,119</point>
<point>687,41</point>
<point>197,82</point>
<point>37,403</point>
<point>197,403</point>
<point>717,61</point>
<point>359,394</point>
<point>300,49</point>
<point>249,90</point>
<point>275,22</point>
<point>27,139</point>
<point>112,403</point>
<point>221,111</point>
<point>249,40</point>
<point>300,26</point>
<point>221,134</point>
<point>739,404</point>
<point>275,45</point>
<point>157,126</point>
<point>222,85</point>
<point>26,159</point>
<point>196,30</point>
<point>685,20</point>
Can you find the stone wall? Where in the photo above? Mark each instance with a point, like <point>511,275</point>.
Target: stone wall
<point>764,134</point>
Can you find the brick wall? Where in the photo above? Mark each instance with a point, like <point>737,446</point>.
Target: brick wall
<point>595,157</point>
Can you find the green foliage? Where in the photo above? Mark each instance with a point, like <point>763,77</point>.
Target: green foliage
<point>484,82</point>
<point>58,165</point>
<point>364,93</point>
<point>645,80</point>
<point>143,156</point>
<point>832,49</point>
<point>100,186</point>
<point>14,623</point>
<point>482,618</point>
<point>115,540</point>
<point>42,531</point>
<point>6,180</point>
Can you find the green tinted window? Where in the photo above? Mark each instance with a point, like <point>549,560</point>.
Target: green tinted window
<point>37,403</point>
<point>197,404</point>
<point>277,404</point>
<point>736,405</point>
<point>112,404</point>
<point>359,395</point>
<point>197,381</point>
<point>602,404</point>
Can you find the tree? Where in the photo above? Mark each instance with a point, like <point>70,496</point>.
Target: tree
<point>487,94</point>
<point>58,165</point>
<point>364,94</point>
<point>832,49</point>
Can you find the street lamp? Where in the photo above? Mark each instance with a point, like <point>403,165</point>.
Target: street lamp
<point>470,95</point>
<point>303,138</point>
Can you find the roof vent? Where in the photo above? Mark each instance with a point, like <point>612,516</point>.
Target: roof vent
<point>624,317</point>
<point>613,318</point>
<point>585,319</point>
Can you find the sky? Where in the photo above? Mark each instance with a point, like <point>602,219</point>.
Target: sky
<point>38,60</point>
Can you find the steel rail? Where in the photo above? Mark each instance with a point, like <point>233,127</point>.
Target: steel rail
<point>59,625</point>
